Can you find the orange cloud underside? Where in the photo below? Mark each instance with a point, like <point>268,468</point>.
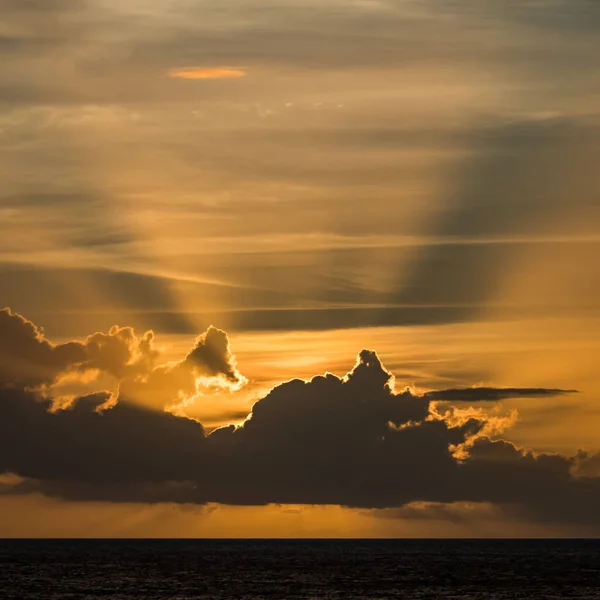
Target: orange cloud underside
<point>207,73</point>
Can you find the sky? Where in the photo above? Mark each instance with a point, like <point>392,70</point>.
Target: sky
<point>314,268</point>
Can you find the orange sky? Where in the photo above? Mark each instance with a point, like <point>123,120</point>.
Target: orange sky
<point>312,180</point>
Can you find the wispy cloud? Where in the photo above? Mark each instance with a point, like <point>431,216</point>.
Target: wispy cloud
<point>206,73</point>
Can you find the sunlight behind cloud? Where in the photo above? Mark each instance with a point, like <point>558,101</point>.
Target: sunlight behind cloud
<point>415,177</point>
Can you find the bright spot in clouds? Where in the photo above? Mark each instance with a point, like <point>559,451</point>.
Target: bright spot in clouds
<point>206,73</point>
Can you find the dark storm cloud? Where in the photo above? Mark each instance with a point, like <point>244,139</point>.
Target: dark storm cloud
<point>351,441</point>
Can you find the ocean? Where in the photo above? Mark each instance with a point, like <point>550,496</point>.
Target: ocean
<point>307,569</point>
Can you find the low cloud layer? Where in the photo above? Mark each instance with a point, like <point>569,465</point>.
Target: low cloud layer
<point>356,440</point>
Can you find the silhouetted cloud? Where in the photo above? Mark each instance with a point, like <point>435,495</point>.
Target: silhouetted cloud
<point>351,440</point>
<point>28,360</point>
<point>483,394</point>
<point>210,358</point>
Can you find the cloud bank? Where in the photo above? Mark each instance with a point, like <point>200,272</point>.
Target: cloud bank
<point>352,441</point>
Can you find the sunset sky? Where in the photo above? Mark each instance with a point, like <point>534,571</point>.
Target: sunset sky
<point>204,201</point>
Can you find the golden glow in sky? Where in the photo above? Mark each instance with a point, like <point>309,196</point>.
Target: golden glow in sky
<point>186,257</point>
<point>207,73</point>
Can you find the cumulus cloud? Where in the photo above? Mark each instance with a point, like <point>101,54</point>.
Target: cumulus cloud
<point>120,352</point>
<point>27,358</point>
<point>210,363</point>
<point>355,441</point>
<point>29,361</point>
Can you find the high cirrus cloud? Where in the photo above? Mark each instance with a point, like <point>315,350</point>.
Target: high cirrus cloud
<point>351,440</point>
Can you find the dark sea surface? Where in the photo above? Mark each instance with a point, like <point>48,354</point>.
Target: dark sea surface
<point>369,569</point>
